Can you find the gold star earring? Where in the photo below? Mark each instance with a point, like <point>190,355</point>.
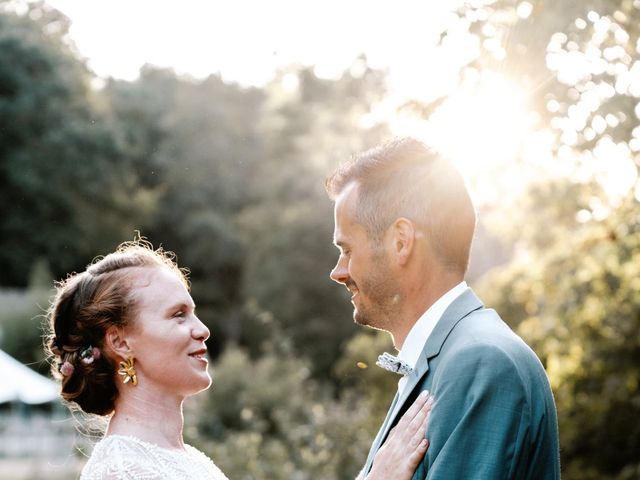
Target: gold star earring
<point>128,371</point>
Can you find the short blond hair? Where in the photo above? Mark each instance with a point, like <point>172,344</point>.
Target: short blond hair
<point>404,178</point>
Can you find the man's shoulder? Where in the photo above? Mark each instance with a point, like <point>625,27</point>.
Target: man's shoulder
<point>484,337</point>
<point>483,327</point>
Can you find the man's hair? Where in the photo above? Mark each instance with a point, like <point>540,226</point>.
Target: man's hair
<point>404,178</point>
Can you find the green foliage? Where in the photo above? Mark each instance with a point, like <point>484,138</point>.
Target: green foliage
<point>231,179</point>
<point>572,289</point>
<point>577,302</point>
<point>227,177</point>
<point>307,129</point>
<point>67,192</point>
<point>357,374</point>
<point>266,418</point>
<point>22,314</point>
<point>21,331</point>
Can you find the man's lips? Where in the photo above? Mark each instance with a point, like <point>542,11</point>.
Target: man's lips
<point>353,289</point>
<point>200,354</point>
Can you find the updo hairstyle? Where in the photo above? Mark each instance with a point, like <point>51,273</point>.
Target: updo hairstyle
<point>85,305</point>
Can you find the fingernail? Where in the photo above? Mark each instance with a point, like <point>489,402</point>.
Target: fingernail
<point>424,393</point>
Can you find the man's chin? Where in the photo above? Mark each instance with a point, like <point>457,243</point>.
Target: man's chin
<point>363,320</point>
<point>368,321</point>
<point>359,321</point>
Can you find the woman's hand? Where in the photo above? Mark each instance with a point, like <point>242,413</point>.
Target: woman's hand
<point>406,444</point>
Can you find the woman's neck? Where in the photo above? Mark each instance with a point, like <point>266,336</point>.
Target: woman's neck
<point>151,417</point>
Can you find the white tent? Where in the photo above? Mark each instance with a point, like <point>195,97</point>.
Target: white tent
<point>20,383</point>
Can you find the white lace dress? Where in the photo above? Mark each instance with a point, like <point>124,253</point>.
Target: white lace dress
<point>118,457</point>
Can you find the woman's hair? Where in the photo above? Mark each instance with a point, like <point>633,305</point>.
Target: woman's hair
<point>85,306</point>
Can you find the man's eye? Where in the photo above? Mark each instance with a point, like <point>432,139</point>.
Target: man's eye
<point>179,313</point>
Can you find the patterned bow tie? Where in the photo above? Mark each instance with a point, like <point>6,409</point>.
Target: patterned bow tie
<point>393,364</point>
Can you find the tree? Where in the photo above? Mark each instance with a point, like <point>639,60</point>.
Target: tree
<point>309,125</point>
<point>571,289</point>
<point>66,189</point>
<point>576,302</point>
<point>281,424</point>
<point>196,144</point>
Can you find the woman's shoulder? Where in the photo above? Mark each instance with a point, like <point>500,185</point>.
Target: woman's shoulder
<point>119,457</point>
<point>205,462</point>
<point>112,443</point>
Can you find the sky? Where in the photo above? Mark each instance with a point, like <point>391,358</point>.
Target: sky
<point>246,41</point>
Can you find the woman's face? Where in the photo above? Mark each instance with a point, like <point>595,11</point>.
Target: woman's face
<point>166,337</point>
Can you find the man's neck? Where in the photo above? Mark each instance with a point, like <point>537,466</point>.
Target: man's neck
<point>419,298</point>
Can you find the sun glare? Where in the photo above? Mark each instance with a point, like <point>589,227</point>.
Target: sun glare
<point>483,125</point>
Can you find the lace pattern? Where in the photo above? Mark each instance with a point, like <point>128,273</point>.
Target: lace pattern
<point>118,457</point>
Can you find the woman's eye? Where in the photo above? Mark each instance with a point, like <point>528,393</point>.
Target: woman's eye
<point>179,314</point>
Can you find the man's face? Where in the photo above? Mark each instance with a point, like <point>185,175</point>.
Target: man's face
<point>363,266</point>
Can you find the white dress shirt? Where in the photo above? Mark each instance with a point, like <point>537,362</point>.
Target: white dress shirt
<point>419,333</point>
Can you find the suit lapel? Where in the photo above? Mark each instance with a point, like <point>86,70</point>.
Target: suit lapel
<point>466,303</point>
<point>462,306</point>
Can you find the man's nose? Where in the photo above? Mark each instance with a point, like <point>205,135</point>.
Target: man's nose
<point>340,273</point>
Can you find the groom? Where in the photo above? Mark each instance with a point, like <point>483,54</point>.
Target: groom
<point>404,224</point>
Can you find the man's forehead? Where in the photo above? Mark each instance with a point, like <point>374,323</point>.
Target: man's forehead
<point>349,194</point>
<point>345,205</point>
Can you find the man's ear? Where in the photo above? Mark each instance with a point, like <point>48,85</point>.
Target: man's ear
<point>403,237</point>
<point>116,341</point>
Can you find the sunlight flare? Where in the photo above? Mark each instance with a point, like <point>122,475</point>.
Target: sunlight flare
<point>481,127</point>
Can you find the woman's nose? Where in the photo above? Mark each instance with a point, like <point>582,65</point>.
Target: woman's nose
<point>200,331</point>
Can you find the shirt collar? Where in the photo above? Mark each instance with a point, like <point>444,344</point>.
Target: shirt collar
<point>419,333</point>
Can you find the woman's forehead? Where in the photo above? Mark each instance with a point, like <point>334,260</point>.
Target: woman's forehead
<point>158,284</point>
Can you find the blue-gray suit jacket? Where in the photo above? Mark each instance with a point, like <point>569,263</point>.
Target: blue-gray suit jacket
<point>494,416</point>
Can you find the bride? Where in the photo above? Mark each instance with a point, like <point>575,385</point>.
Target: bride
<point>126,344</point>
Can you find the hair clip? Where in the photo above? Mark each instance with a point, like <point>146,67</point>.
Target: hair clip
<point>89,354</point>
<point>66,369</point>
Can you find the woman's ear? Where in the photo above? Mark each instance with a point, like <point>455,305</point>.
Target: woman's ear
<point>117,342</point>
<point>403,239</point>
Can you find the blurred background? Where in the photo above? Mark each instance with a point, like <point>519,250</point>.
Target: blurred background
<point>209,127</point>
